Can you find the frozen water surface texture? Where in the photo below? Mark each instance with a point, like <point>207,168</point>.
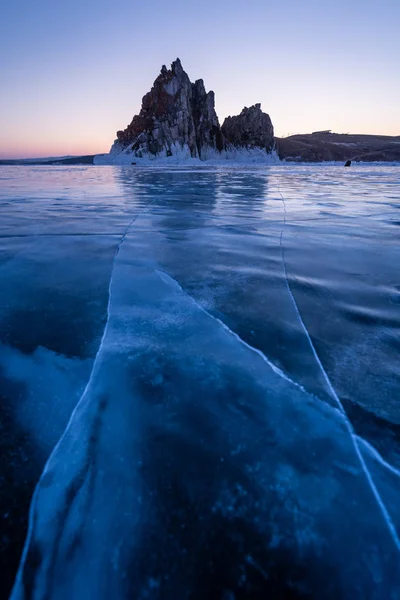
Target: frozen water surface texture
<point>200,382</point>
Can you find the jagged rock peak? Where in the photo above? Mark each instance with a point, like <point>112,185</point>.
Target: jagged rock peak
<point>176,66</point>
<point>208,131</point>
<point>252,128</point>
<point>178,118</point>
<point>175,115</point>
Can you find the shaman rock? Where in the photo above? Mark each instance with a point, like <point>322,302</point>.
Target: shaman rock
<point>176,115</point>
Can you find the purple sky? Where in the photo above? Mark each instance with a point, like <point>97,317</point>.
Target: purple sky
<point>74,73</point>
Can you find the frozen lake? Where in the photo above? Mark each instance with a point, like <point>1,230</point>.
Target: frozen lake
<point>230,340</point>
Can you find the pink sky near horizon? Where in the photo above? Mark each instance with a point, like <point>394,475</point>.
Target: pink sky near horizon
<point>76,74</point>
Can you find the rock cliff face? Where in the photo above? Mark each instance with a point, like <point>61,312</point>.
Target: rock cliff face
<point>208,131</point>
<point>178,118</point>
<point>175,115</point>
<point>251,129</point>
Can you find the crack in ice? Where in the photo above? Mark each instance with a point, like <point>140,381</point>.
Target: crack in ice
<point>167,279</point>
<point>250,560</point>
<point>378,457</point>
<point>170,281</point>
<point>355,439</point>
<point>18,579</point>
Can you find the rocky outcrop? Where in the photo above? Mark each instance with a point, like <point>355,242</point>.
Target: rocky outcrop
<point>251,129</point>
<point>175,115</point>
<point>178,118</point>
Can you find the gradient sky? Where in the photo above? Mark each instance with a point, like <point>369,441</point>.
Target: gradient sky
<point>74,72</point>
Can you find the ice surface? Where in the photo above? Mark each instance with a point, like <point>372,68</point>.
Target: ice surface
<point>232,435</point>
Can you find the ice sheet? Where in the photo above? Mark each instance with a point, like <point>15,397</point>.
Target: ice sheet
<point>239,428</point>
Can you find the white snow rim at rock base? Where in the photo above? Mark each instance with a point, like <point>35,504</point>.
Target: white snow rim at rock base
<point>181,156</point>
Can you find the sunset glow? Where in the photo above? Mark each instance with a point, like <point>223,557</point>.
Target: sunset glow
<point>76,74</point>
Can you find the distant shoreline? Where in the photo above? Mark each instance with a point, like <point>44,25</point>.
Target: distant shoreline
<point>70,160</point>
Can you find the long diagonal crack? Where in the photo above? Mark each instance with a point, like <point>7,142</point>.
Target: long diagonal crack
<point>79,478</point>
<point>355,439</point>
<point>378,457</point>
<point>172,282</point>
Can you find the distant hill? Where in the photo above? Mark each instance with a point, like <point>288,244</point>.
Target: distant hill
<point>326,146</point>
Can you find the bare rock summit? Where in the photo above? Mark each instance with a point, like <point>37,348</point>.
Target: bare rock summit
<point>178,118</point>
<point>176,115</point>
<point>251,129</point>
